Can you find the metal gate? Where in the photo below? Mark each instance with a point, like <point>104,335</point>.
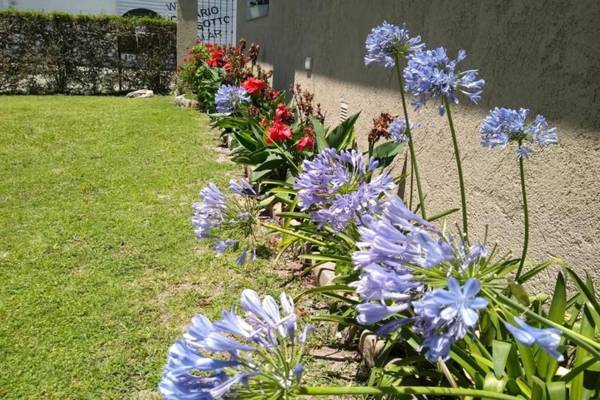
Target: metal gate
<point>216,21</point>
<point>216,18</point>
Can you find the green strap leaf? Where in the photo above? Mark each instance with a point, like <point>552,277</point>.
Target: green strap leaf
<point>547,365</point>
<point>402,390</point>
<point>584,289</point>
<point>500,351</point>
<point>556,390</point>
<point>324,289</point>
<point>342,135</point>
<point>295,234</point>
<point>539,268</point>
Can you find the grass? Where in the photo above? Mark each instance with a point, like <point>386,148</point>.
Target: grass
<point>99,268</point>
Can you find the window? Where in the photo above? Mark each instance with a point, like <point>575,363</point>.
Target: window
<point>257,8</point>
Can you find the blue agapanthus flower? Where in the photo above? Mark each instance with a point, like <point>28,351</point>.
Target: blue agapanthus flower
<point>209,212</point>
<point>217,359</point>
<point>341,187</point>
<point>241,187</point>
<point>387,41</point>
<point>221,247</point>
<point>397,130</point>
<point>446,315</point>
<point>431,74</point>
<point>505,125</point>
<point>229,98</point>
<point>548,338</point>
<point>230,220</point>
<point>400,239</point>
<point>390,246</point>
<point>385,292</point>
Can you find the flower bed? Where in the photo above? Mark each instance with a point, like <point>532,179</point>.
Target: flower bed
<point>453,314</point>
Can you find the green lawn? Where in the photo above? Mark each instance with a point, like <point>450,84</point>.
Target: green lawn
<point>99,268</point>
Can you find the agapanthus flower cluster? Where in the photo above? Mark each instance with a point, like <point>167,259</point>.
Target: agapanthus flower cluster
<point>504,125</point>
<point>230,221</point>
<point>259,351</point>
<point>397,130</point>
<point>387,41</point>
<point>444,316</point>
<point>399,238</point>
<point>431,74</point>
<point>392,249</point>
<point>389,246</point>
<point>229,98</point>
<point>341,187</point>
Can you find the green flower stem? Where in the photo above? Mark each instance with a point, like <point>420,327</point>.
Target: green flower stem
<point>399,390</point>
<point>413,157</point>
<point>461,181</point>
<point>525,215</point>
<point>589,344</point>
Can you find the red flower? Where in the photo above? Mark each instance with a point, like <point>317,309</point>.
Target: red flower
<point>216,58</point>
<point>284,114</point>
<point>178,69</point>
<point>278,131</point>
<point>253,85</point>
<point>307,142</point>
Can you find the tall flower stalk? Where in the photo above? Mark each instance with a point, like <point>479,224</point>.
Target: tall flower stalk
<point>525,215</point>
<point>461,181</point>
<point>387,44</point>
<point>411,146</point>
<point>505,125</point>
<point>431,74</point>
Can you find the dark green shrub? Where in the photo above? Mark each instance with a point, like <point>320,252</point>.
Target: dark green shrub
<point>80,54</point>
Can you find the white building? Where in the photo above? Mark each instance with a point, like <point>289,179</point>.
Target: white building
<point>216,18</point>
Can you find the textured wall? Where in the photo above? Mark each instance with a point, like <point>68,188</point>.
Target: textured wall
<point>543,55</point>
<point>187,27</point>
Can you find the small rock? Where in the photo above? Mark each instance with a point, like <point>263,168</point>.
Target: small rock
<point>325,274</point>
<point>182,101</point>
<point>370,347</point>
<point>140,94</point>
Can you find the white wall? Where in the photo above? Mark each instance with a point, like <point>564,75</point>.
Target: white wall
<point>70,6</point>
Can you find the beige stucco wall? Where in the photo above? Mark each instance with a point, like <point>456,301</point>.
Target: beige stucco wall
<point>544,55</point>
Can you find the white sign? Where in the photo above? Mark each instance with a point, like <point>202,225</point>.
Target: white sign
<point>216,18</point>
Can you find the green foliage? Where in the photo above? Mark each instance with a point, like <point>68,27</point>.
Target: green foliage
<point>83,54</point>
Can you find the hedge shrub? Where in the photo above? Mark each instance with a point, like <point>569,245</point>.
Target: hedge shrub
<point>80,54</point>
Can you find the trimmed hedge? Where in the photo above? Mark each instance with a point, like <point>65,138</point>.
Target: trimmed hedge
<point>79,54</point>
